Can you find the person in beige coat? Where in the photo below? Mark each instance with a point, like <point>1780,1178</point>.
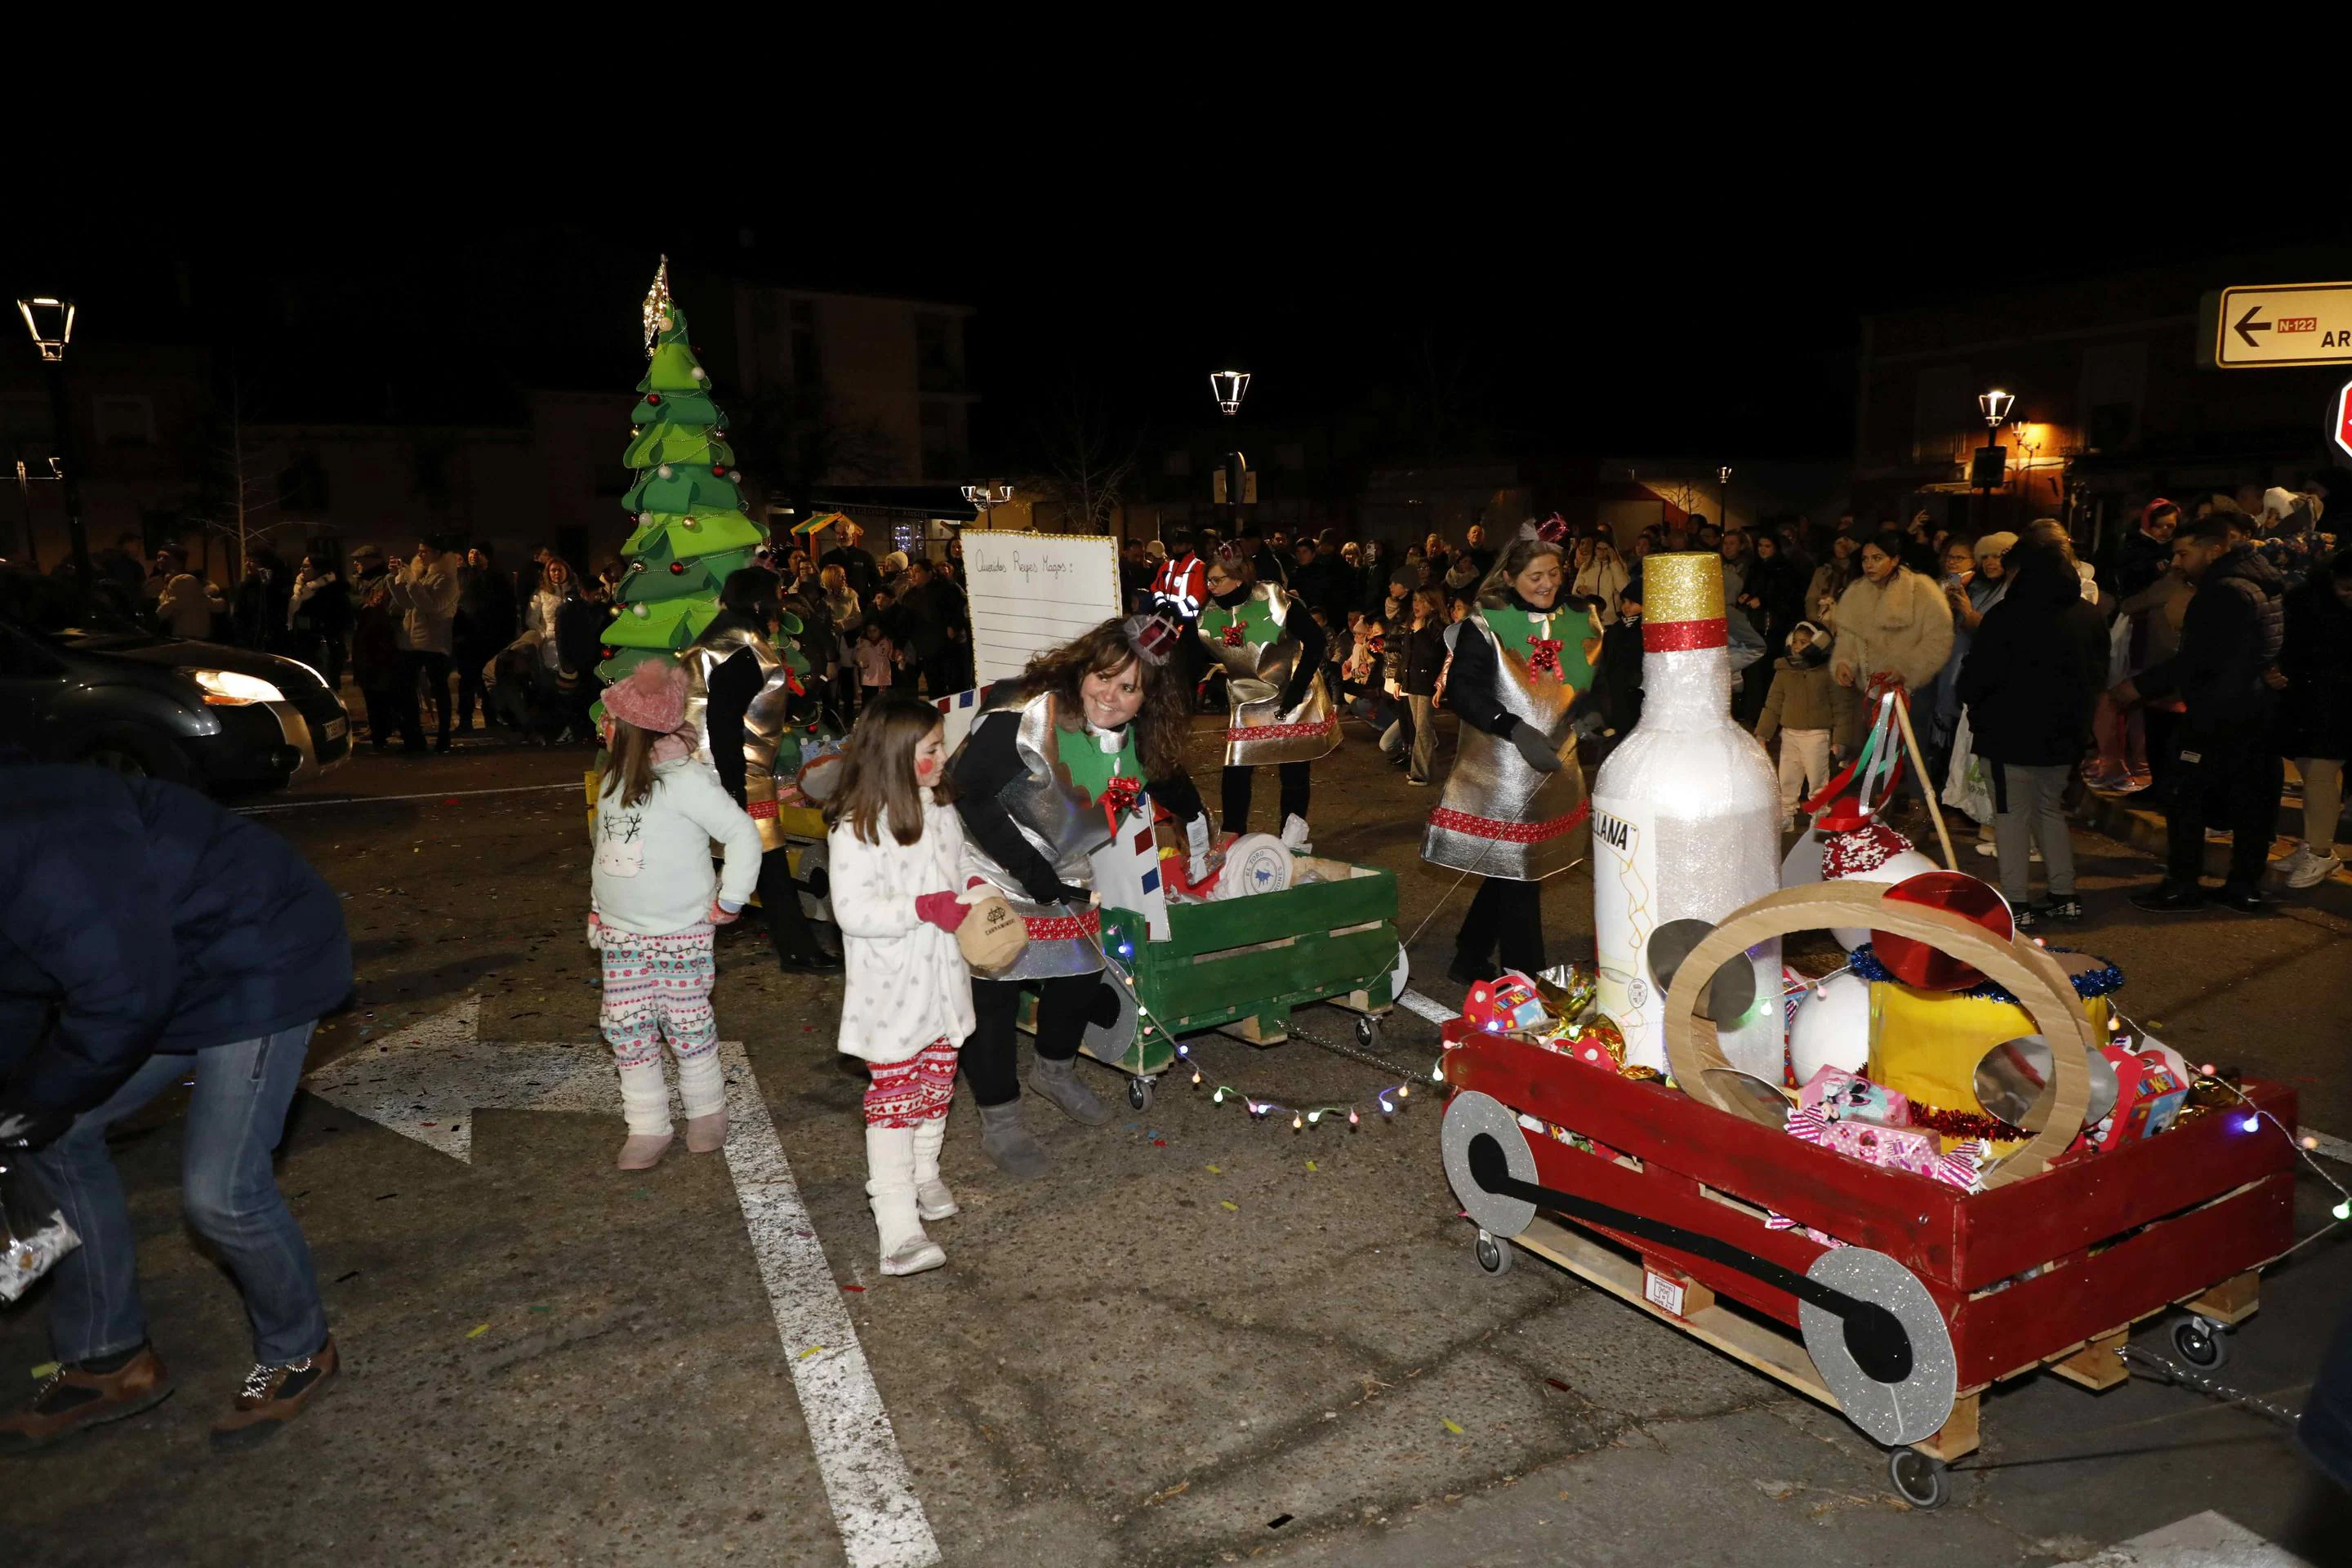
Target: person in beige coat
<point>1894,626</point>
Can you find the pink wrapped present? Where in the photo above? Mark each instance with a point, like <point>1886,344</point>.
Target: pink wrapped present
<point>1841,1095</point>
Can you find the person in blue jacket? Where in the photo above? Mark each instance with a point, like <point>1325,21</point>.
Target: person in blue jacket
<point>148,937</point>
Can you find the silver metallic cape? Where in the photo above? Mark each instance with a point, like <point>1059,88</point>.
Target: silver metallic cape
<point>1498,816</point>
<point>763,720</point>
<point>1060,821</point>
<point>1255,678</point>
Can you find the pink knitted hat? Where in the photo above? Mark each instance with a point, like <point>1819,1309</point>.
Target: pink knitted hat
<point>653,697</point>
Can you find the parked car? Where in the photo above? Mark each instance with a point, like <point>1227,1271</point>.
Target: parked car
<point>80,684</point>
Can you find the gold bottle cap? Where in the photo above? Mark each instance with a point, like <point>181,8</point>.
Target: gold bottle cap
<point>1682,586</point>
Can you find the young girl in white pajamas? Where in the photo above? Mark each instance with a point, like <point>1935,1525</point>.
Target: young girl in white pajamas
<point>654,906</point>
<point>895,853</point>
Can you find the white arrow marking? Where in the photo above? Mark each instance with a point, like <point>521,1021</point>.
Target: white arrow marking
<point>425,1082</point>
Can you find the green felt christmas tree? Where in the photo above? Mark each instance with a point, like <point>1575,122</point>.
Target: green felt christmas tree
<point>691,529</point>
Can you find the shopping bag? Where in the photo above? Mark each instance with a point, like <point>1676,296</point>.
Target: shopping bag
<point>2119,641</point>
<point>33,1234</point>
<point>1968,785</point>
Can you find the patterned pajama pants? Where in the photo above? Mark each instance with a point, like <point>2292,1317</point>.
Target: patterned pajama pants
<point>909,1093</point>
<point>657,988</point>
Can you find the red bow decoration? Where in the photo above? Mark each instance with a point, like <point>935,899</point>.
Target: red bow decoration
<point>1545,658</point>
<point>793,684</point>
<point>1553,530</point>
<point>1118,797</point>
<point>1233,638</point>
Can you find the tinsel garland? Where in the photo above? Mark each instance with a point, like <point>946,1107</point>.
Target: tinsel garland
<point>2088,985</point>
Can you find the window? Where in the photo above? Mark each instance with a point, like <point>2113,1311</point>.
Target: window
<point>938,363</point>
<point>302,486</point>
<point>125,421</point>
<point>1176,465</point>
<point>1290,457</point>
<point>942,429</point>
<point>767,345</point>
<point>1945,418</point>
<point>808,368</point>
<point>2115,382</point>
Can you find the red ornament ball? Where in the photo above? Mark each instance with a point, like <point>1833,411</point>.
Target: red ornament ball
<point>653,397</point>
<point>717,472</point>
<point>610,651</point>
<point>677,568</point>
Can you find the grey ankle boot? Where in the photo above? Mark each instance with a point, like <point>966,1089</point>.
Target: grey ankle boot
<point>1058,1081</point>
<point>1006,1142</point>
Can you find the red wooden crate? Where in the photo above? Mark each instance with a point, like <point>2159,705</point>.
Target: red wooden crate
<point>2168,1218</point>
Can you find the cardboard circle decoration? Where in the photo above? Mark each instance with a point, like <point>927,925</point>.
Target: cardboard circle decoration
<point>2030,974</point>
<point>1920,965</point>
<point>1915,1406</point>
<point>1473,1115</point>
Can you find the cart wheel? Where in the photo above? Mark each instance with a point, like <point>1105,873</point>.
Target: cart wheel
<point>1920,1479</point>
<point>2200,1344</point>
<point>1368,1032</point>
<point>1138,1093</point>
<point>1492,1253</point>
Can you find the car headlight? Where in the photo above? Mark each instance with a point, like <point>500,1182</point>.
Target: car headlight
<point>227,689</point>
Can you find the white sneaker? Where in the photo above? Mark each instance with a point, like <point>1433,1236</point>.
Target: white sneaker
<point>2307,869</point>
<point>1993,851</point>
<point>1294,835</point>
<point>917,1254</point>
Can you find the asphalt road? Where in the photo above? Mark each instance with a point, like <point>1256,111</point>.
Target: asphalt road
<point>1203,1338</point>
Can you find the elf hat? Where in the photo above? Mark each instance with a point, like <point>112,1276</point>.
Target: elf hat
<point>653,697</point>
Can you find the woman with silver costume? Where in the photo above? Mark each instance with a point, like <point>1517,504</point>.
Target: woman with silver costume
<point>1514,809</point>
<point>738,695</point>
<point>1271,650</point>
<point>1055,758</point>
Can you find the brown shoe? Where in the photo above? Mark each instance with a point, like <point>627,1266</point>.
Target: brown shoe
<point>272,1396</point>
<point>71,1399</point>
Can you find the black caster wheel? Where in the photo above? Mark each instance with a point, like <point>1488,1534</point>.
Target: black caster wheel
<point>2201,1344</point>
<point>1368,1032</point>
<point>1492,1253</point>
<point>1920,1480</point>
<point>1138,1093</point>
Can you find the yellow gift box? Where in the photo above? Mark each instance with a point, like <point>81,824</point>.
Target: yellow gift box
<point>1926,1044</point>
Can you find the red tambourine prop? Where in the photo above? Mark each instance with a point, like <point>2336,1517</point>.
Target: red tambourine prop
<point>1922,965</point>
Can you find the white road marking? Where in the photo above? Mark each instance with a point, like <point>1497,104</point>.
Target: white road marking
<point>1436,1012</point>
<point>426,1080</point>
<point>575,785</point>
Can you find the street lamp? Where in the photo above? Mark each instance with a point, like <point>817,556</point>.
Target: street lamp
<point>985,499</point>
<point>1989,467</point>
<point>1723,494</point>
<point>51,322</point>
<point>1229,387</point>
<point>1995,405</point>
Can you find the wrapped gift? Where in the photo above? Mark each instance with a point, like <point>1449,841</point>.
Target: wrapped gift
<point>1507,1005</point>
<point>1896,1147</point>
<point>1839,1095</point>
<point>2148,1096</point>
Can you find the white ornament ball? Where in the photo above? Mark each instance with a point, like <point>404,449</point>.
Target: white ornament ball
<point>662,321</point>
<point>700,374</point>
<point>644,519</point>
<point>1832,1027</point>
<point>663,470</point>
<point>1802,865</point>
<point>1896,867</point>
<point>642,611</point>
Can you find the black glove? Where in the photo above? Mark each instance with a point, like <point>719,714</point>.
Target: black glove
<point>1055,891</point>
<point>29,1127</point>
<point>1540,753</point>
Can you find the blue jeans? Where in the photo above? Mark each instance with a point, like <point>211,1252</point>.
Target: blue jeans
<point>235,1116</point>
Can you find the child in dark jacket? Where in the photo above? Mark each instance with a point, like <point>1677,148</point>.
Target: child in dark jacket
<point>1798,710</point>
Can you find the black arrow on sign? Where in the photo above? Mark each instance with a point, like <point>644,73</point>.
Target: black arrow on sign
<point>2247,326</point>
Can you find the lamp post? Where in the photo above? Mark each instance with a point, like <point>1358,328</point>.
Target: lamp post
<point>1987,471</point>
<point>1229,387</point>
<point>1723,494</point>
<point>985,499</point>
<point>51,323</point>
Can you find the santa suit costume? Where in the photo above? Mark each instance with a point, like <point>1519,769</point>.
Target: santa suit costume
<point>1038,788</point>
<point>1278,708</point>
<point>1516,670</point>
<point>739,693</point>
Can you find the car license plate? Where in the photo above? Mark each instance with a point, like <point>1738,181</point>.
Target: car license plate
<point>336,727</point>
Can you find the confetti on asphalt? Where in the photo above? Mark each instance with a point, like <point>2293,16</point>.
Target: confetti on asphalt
<point>542,1308</point>
<point>810,1352</point>
<point>476,1334</point>
<point>44,1369</point>
<point>1310,1164</point>
<point>1216,1171</point>
<point>1449,1425</point>
<point>1228,1203</point>
<point>859,1288</point>
<point>1561,1387</point>
<point>1159,1143</point>
<point>346,1278</point>
<point>1278,1520</point>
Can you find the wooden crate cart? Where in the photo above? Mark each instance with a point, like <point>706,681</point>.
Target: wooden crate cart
<point>2047,1267</point>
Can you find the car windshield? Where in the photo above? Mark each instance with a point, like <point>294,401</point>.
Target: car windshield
<point>49,606</point>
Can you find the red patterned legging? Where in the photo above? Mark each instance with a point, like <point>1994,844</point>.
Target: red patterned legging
<point>909,1093</point>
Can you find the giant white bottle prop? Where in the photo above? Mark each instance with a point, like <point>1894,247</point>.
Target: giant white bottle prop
<point>1686,820</point>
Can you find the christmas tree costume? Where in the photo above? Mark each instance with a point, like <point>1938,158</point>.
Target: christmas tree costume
<point>1280,708</point>
<point>1517,667</point>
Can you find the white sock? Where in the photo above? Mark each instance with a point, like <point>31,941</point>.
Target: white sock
<point>890,1185</point>
<point>929,1137</point>
<point>701,1084</point>
<point>644,1098</point>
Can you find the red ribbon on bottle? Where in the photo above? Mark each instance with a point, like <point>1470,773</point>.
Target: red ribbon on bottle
<point>1683,636</point>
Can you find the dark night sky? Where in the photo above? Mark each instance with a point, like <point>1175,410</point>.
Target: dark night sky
<point>1616,337</point>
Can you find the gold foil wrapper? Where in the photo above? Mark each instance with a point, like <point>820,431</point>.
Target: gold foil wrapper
<point>1642,1074</point>
<point>1682,586</point>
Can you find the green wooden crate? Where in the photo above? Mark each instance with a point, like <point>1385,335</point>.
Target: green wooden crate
<point>1242,964</point>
